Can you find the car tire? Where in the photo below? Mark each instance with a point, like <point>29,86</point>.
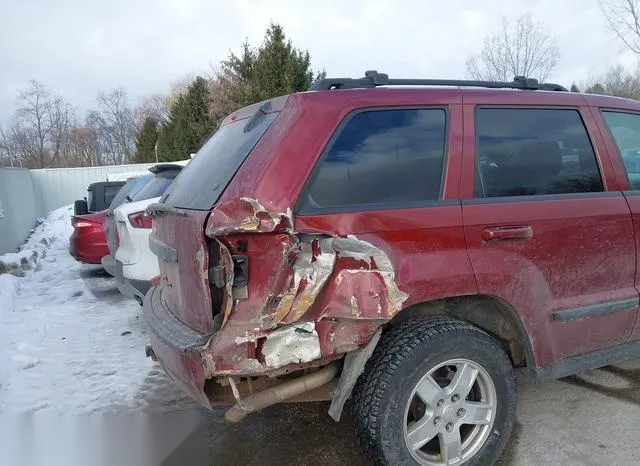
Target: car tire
<point>434,358</point>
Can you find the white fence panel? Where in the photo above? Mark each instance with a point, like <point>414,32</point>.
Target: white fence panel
<point>26,195</point>
<point>56,187</point>
<point>17,208</point>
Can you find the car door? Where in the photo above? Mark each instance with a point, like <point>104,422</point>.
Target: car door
<point>543,232</point>
<point>621,131</point>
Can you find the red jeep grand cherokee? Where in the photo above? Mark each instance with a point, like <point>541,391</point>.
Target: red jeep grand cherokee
<point>410,248</point>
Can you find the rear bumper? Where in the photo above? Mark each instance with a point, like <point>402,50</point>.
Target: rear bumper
<point>86,253</point>
<point>176,346</point>
<point>110,265</point>
<point>133,288</point>
<point>128,287</point>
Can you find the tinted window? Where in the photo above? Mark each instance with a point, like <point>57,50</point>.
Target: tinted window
<point>381,157</point>
<point>110,193</point>
<point>625,129</point>
<point>534,151</point>
<point>156,187</point>
<point>209,172</point>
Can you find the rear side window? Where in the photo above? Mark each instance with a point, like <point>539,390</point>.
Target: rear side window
<point>206,176</point>
<point>380,158</point>
<point>625,129</point>
<point>157,186</point>
<point>110,193</point>
<point>524,152</point>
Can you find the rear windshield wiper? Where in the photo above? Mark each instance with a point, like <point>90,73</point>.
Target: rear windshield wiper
<point>259,115</point>
<point>159,208</point>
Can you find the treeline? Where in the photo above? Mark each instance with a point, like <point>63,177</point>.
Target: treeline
<point>45,130</point>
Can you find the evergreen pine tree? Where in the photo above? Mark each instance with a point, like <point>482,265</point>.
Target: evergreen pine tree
<point>189,123</point>
<point>574,88</point>
<point>279,67</point>
<point>276,68</point>
<point>146,141</point>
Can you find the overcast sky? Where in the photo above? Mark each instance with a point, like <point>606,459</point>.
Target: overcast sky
<point>79,47</point>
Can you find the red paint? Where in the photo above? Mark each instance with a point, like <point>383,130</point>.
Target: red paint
<point>609,145</point>
<point>581,252</point>
<point>538,256</point>
<point>185,285</point>
<point>88,243</point>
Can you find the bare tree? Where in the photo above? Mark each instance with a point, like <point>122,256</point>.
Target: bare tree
<point>623,17</point>
<point>523,47</point>
<point>6,149</point>
<point>85,146</point>
<point>25,145</point>
<point>33,115</point>
<point>155,107</point>
<point>114,118</point>
<point>619,82</point>
<point>61,116</point>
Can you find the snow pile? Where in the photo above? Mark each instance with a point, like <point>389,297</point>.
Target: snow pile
<point>69,342</point>
<point>16,262</point>
<point>56,224</point>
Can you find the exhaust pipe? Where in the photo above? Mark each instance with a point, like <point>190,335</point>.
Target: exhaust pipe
<point>282,392</point>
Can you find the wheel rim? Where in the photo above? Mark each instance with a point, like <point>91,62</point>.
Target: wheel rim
<point>450,413</point>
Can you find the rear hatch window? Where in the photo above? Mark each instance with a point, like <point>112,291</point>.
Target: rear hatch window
<point>204,179</point>
<point>157,186</point>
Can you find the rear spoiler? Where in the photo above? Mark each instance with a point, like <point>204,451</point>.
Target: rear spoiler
<point>161,167</point>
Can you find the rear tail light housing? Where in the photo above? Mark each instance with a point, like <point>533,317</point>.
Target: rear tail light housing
<point>81,223</point>
<point>140,220</point>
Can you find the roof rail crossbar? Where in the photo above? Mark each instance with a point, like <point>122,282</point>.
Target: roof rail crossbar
<point>374,79</point>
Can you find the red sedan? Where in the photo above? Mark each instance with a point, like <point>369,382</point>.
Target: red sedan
<point>88,244</point>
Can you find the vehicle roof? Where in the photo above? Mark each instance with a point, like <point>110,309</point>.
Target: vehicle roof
<point>415,94</point>
<point>377,89</point>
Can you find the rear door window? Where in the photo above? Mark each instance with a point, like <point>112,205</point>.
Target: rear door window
<point>206,176</point>
<point>625,129</point>
<point>526,151</point>
<point>380,159</point>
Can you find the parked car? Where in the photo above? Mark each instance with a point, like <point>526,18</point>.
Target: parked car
<point>131,187</point>
<point>88,243</point>
<point>408,247</point>
<point>99,196</point>
<point>134,264</point>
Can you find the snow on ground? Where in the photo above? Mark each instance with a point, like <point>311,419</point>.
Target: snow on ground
<point>69,342</point>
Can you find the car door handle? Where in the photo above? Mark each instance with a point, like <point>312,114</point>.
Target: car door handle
<point>503,233</point>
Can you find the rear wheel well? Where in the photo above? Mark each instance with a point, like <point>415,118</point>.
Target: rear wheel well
<point>491,314</point>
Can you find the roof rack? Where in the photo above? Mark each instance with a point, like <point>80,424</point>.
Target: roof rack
<point>373,79</point>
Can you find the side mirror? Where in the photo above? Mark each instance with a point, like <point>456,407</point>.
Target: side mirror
<point>80,207</point>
